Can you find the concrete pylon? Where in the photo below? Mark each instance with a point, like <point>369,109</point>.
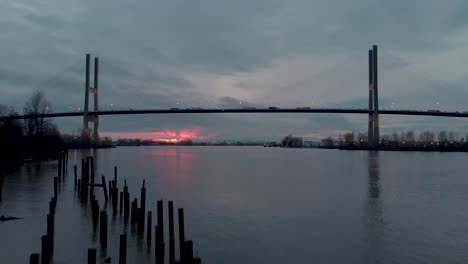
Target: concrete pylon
<point>375,82</point>
<point>94,91</point>
<point>370,131</point>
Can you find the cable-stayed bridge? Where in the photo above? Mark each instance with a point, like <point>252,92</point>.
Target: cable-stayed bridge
<point>373,111</point>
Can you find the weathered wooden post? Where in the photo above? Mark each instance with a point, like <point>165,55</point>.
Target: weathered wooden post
<point>115,175</point>
<point>140,214</point>
<point>187,252</point>
<point>34,258</point>
<point>121,203</point>
<point>115,199</point>
<point>123,249</point>
<point>110,190</point>
<point>55,187</point>
<point>51,207</point>
<point>171,232</point>
<point>50,233</point>
<point>75,173</point>
<point>133,214</point>
<point>59,167</point>
<point>79,186</point>
<point>159,245</point>
<point>126,202</point>
<point>181,229</point>
<point>45,249</point>
<point>91,159</point>
<point>91,256</point>
<point>95,211</point>
<point>103,229</point>
<point>149,229</point>
<point>143,207</point>
<point>105,188</point>
<point>91,165</point>
<point>160,217</point>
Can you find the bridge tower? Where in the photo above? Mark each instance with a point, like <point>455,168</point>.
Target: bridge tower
<point>94,91</point>
<point>375,84</point>
<point>373,133</point>
<point>370,131</point>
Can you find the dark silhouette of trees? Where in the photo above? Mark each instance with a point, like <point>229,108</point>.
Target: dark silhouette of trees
<point>37,104</point>
<point>292,142</point>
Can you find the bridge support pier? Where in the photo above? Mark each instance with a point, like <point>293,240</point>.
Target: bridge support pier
<point>373,133</point>
<point>94,91</point>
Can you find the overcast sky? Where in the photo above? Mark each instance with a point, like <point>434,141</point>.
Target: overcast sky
<point>212,53</point>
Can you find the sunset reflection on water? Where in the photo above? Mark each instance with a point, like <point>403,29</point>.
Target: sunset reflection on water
<point>174,165</point>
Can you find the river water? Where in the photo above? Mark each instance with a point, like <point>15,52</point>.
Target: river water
<point>258,205</point>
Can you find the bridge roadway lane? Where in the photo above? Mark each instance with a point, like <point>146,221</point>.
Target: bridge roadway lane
<point>259,110</point>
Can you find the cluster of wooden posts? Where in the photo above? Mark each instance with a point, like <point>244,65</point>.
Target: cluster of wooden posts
<point>47,240</point>
<point>85,189</point>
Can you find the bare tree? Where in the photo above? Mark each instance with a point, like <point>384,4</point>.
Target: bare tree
<point>348,138</point>
<point>36,105</point>
<point>395,137</point>
<point>410,136</point>
<point>442,136</point>
<point>452,136</point>
<point>426,137</point>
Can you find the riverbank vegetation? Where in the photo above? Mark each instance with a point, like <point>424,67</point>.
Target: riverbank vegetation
<point>403,141</point>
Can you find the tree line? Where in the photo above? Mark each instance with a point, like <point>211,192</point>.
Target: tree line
<point>36,137</point>
<point>403,139</point>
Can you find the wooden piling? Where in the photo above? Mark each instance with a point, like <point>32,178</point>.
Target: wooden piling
<point>105,188</point>
<point>141,215</point>
<point>148,229</point>
<point>123,249</point>
<point>121,203</point>
<point>159,245</point>
<point>181,229</point>
<point>171,232</point>
<point>91,256</point>
<point>59,167</point>
<point>171,251</point>
<point>75,173</point>
<point>50,233</point>
<point>95,212</point>
<point>55,187</point>
<point>110,190</point>
<point>92,168</point>
<point>186,255</point>
<point>126,204</point>
<point>1,189</point>
<point>160,217</point>
<point>133,214</point>
<point>79,186</point>
<point>34,258</point>
<point>103,229</point>
<point>115,199</point>
<point>143,205</point>
<point>45,249</point>
<point>115,175</point>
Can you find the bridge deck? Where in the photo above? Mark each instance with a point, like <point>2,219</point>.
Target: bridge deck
<point>263,110</point>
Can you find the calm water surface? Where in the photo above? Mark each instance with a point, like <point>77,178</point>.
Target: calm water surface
<point>259,205</point>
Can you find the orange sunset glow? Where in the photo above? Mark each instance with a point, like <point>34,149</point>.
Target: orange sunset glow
<point>168,135</point>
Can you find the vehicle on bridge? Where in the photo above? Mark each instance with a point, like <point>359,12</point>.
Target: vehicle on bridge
<point>248,108</point>
<point>433,111</point>
<point>303,108</point>
<point>272,108</point>
<point>174,108</point>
